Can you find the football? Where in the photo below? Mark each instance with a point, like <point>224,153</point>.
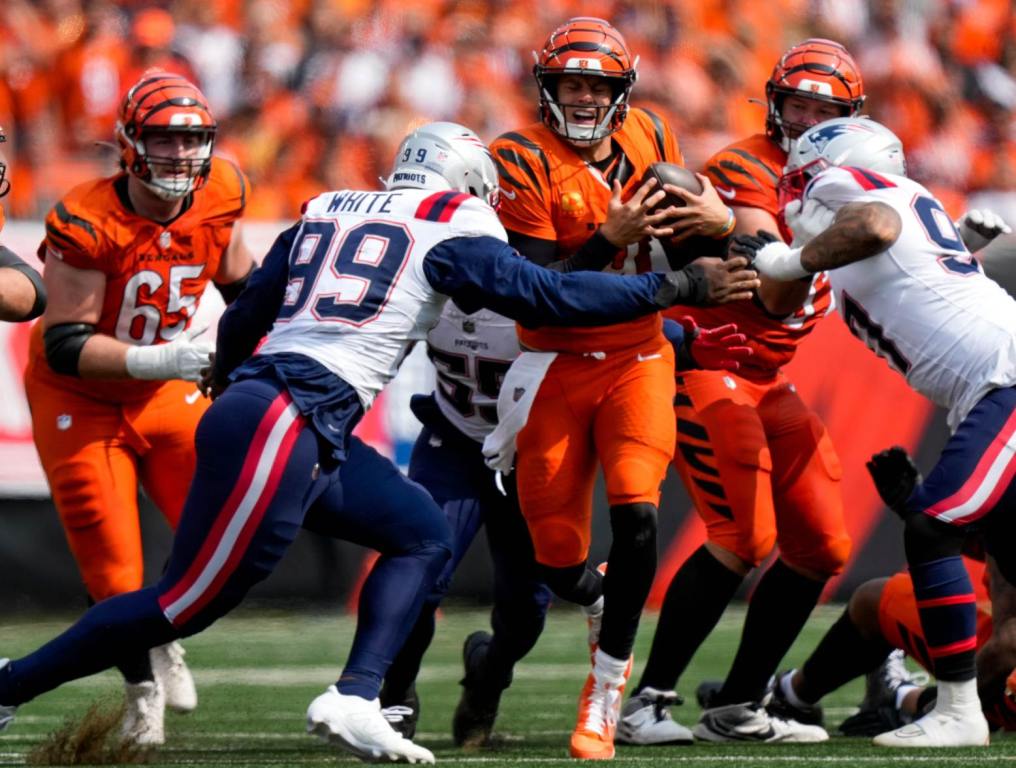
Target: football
<point>681,252</point>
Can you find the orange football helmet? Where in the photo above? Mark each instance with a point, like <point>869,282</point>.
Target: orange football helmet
<point>160,103</point>
<point>590,47</point>
<point>5,184</point>
<point>815,69</point>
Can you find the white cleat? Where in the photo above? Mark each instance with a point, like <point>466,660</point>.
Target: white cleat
<point>645,719</point>
<point>939,729</point>
<point>358,726</point>
<point>143,719</point>
<point>177,682</point>
<point>6,711</point>
<point>751,722</point>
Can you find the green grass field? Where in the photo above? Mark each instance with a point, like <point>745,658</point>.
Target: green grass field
<point>257,672</point>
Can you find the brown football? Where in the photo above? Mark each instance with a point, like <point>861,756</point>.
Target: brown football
<point>682,252</point>
<point>671,173</point>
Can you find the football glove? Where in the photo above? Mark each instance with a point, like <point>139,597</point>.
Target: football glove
<point>895,476</point>
<point>715,348</point>
<point>182,358</point>
<point>748,245</point>
<point>769,255</point>
<point>977,228</point>
<point>807,220</point>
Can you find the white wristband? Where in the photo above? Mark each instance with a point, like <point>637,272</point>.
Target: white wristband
<point>780,262</point>
<point>180,359</point>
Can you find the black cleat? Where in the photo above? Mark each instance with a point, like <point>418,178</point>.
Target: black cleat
<point>477,710</point>
<point>777,704</point>
<point>402,715</point>
<point>706,692</point>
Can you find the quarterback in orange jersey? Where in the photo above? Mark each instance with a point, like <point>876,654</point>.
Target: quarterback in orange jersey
<point>112,365</point>
<point>22,294</point>
<point>757,463</point>
<point>571,199</point>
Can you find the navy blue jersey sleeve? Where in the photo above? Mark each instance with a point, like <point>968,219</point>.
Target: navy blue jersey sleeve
<point>679,340</point>
<point>252,313</point>
<point>486,272</point>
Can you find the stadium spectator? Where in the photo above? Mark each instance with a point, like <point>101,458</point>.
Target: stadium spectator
<point>22,294</point>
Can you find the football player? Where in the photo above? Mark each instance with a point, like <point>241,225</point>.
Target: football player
<point>342,296</point>
<point>112,365</point>
<point>756,461</point>
<point>907,286</point>
<point>22,293</point>
<point>572,194</point>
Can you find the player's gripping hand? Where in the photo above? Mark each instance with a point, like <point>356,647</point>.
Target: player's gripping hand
<point>807,220</point>
<point>708,280</point>
<point>629,221</point>
<point>895,476</point>
<point>720,348</point>
<point>977,228</point>
<point>182,358</point>
<point>769,255</point>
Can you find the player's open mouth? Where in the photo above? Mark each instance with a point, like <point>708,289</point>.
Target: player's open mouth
<point>584,116</point>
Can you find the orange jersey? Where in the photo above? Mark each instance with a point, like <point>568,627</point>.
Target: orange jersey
<point>745,174</point>
<point>155,273</point>
<point>549,192</point>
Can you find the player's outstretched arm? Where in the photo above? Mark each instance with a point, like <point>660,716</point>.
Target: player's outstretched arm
<point>22,293</point>
<point>487,272</point>
<point>860,230</point>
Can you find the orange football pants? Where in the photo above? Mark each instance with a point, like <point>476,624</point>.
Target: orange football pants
<point>610,411</point>
<point>94,454</point>
<point>901,624</point>
<point>761,470</point>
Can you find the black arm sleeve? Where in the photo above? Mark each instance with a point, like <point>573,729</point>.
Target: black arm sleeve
<point>230,291</point>
<point>593,255</point>
<point>63,343</point>
<point>11,260</point>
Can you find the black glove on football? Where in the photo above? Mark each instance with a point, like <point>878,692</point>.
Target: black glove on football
<point>895,476</point>
<point>749,245</point>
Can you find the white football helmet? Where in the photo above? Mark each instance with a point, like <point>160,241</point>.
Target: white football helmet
<point>446,156</point>
<point>853,141</point>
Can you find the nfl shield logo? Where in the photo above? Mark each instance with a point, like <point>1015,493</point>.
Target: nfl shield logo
<point>518,393</point>
<point>165,239</point>
<point>469,326</point>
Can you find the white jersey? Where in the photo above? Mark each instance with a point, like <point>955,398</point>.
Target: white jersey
<point>357,299</point>
<point>472,354</point>
<point>924,304</point>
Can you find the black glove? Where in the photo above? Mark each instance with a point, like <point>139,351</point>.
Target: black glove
<point>749,245</point>
<point>895,476</point>
<point>686,286</point>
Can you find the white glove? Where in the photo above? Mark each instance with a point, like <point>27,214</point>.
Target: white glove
<point>807,221</point>
<point>978,228</point>
<point>181,358</point>
<point>780,262</point>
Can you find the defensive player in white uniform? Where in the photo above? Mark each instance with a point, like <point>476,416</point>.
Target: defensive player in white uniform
<point>907,286</point>
<point>342,295</point>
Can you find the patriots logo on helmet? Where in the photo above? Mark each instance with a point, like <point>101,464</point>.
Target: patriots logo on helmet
<point>820,137</point>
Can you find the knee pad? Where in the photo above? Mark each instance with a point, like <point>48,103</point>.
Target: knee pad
<point>634,523</point>
<point>826,557</point>
<point>558,542</point>
<point>926,539</point>
<point>754,547</point>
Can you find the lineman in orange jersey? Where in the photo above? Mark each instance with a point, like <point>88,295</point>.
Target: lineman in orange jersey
<point>22,294</point>
<point>757,463</point>
<point>112,365</point>
<point>564,184</point>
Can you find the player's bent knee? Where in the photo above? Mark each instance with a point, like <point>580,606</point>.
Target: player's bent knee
<point>864,605</point>
<point>635,524</point>
<point>558,543</point>
<point>825,560</point>
<point>926,539</point>
<point>753,548</point>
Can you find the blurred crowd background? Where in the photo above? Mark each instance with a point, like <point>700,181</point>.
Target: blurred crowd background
<point>315,94</point>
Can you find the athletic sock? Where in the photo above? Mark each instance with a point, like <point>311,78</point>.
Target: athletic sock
<point>696,598</point>
<point>842,654</point>
<point>947,607</point>
<point>630,572</point>
<point>781,604</point>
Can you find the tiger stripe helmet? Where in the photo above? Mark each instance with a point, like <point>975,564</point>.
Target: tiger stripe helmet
<point>593,48</point>
<point>162,102</point>
<point>815,69</point>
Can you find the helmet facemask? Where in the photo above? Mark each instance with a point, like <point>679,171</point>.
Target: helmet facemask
<point>585,47</point>
<point>172,177</point>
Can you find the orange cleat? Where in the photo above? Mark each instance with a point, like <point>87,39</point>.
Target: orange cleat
<point>599,708</point>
